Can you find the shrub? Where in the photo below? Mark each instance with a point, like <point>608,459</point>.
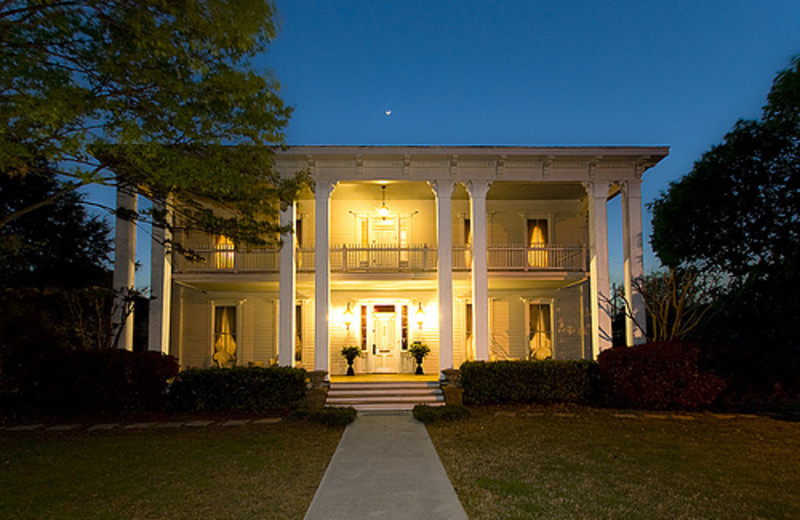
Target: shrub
<point>756,377</point>
<point>658,376</point>
<point>97,381</point>
<point>329,415</point>
<point>499,382</point>
<point>430,414</point>
<point>237,388</point>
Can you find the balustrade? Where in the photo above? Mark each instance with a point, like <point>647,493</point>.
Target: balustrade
<point>361,259</point>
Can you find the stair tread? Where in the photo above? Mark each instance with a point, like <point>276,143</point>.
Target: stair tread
<point>383,385</point>
<point>384,395</point>
<point>383,400</point>
<point>384,406</point>
<point>391,391</point>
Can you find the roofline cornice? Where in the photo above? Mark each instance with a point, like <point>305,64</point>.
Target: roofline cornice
<point>558,151</point>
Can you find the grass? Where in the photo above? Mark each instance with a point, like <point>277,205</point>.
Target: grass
<point>256,471</point>
<point>536,464</point>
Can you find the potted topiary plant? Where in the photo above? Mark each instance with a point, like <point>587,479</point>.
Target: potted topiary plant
<point>350,353</point>
<point>418,351</point>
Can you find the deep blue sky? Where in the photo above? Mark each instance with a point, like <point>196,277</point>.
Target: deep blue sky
<point>677,73</point>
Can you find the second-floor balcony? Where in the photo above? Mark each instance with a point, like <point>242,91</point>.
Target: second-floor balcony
<point>389,259</point>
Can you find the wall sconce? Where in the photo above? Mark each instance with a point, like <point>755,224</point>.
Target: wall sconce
<point>383,211</point>
<point>348,317</point>
<point>420,316</point>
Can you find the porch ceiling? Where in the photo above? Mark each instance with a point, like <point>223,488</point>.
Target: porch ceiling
<point>420,190</point>
<point>383,283</point>
<point>504,190</point>
<point>371,190</point>
<point>223,282</point>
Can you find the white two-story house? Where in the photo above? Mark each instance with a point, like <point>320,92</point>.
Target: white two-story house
<point>481,253</point>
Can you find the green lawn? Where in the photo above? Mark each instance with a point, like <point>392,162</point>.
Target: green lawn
<point>528,462</point>
<point>256,471</point>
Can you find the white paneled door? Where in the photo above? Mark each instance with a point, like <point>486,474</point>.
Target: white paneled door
<point>385,342</point>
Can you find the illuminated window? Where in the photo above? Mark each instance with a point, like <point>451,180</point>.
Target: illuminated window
<point>364,328</point>
<point>224,252</point>
<point>540,331</point>
<point>298,340</point>
<point>404,327</point>
<point>225,335</point>
<point>537,241</point>
<point>468,320</point>
<point>468,340</point>
<point>298,231</point>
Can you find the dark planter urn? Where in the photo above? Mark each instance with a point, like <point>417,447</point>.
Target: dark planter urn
<point>350,371</point>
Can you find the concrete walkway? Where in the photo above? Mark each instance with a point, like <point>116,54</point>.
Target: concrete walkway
<point>385,467</point>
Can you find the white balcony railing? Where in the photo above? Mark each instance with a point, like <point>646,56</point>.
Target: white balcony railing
<point>537,258</point>
<point>378,258</point>
<point>520,258</point>
<point>228,261</point>
<point>359,259</point>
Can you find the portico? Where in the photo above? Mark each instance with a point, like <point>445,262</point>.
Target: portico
<point>498,249</point>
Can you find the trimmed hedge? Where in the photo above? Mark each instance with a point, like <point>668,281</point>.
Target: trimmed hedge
<point>237,388</point>
<point>329,415</point>
<point>500,382</point>
<point>658,376</point>
<point>431,414</point>
<point>96,381</point>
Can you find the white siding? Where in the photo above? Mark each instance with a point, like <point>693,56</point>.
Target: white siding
<point>196,333</point>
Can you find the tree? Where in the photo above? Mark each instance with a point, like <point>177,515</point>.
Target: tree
<point>738,210</point>
<point>737,214</point>
<point>57,245</point>
<point>55,293</point>
<point>153,96</point>
<point>676,301</point>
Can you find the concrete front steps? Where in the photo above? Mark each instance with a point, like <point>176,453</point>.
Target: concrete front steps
<point>395,395</point>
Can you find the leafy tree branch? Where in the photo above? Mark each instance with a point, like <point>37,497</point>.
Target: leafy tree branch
<point>161,96</point>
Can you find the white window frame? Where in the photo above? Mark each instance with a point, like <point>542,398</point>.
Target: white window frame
<point>212,305</point>
<point>551,238</point>
<point>540,301</point>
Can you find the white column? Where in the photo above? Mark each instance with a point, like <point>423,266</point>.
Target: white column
<point>160,281</point>
<point>444,269</point>
<point>322,270</point>
<point>598,266</point>
<point>124,265</point>
<point>480,279</point>
<point>634,260</point>
<point>286,290</point>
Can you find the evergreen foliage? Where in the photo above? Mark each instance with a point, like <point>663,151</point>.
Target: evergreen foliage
<point>237,388</point>
<point>58,244</point>
<point>503,382</point>
<point>55,288</point>
<point>430,414</point>
<point>737,215</point>
<point>94,381</point>
<point>658,376</point>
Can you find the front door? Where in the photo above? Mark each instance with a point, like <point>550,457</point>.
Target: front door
<point>384,340</point>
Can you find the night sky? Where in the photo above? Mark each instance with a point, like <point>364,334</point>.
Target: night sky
<point>676,73</point>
